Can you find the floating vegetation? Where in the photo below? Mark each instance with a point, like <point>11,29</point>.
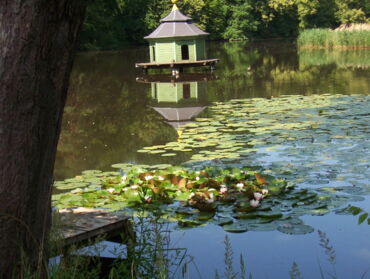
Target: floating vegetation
<point>312,141</point>
<point>317,142</point>
<point>238,199</point>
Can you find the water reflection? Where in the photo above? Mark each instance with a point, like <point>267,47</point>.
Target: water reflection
<point>178,99</point>
<point>109,116</point>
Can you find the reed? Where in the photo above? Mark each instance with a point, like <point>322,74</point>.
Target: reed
<point>327,38</point>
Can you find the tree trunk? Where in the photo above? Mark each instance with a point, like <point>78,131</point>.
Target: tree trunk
<point>37,47</point>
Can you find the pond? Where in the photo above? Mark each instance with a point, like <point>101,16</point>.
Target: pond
<point>300,115</point>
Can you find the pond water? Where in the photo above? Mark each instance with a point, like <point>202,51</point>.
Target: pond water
<point>303,116</point>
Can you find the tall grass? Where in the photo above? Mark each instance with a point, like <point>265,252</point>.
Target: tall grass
<point>152,256</point>
<point>326,38</point>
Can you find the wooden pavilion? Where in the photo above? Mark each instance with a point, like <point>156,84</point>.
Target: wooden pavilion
<point>177,43</point>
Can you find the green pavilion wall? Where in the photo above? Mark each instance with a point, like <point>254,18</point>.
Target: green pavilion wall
<point>166,51</point>
<point>174,92</point>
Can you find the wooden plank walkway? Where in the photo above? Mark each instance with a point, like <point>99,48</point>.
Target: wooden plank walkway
<point>81,225</point>
<point>178,65</point>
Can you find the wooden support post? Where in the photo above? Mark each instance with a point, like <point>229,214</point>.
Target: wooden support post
<point>175,72</point>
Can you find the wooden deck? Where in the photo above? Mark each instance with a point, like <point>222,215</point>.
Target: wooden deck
<point>178,65</point>
<point>83,225</point>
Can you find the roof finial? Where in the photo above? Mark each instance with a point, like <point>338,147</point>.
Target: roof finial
<point>174,8</point>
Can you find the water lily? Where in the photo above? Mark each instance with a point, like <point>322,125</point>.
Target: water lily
<point>148,199</point>
<point>223,189</point>
<point>210,200</point>
<point>240,185</point>
<point>110,190</point>
<point>191,195</point>
<point>254,203</point>
<point>123,179</point>
<point>258,196</point>
<point>197,178</point>
<point>265,192</point>
<point>135,187</point>
<point>160,178</point>
<point>148,177</point>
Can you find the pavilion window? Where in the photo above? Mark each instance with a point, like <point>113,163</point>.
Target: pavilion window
<point>153,53</point>
<point>185,52</point>
<point>186,91</point>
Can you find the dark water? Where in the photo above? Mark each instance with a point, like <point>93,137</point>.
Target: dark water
<point>109,116</point>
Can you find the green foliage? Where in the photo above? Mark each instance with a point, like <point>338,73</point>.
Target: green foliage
<point>111,24</point>
<point>355,211</point>
<point>242,21</point>
<point>325,38</point>
<point>352,11</point>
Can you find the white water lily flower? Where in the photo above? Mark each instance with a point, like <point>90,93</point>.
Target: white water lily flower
<point>197,172</point>
<point>197,178</point>
<point>223,189</point>
<point>148,198</point>
<point>254,203</point>
<point>123,179</point>
<point>160,178</point>
<point>110,190</point>
<point>265,192</point>
<point>240,185</point>
<point>191,195</point>
<point>148,177</point>
<point>134,187</point>
<point>258,196</point>
<point>210,201</point>
<point>211,196</point>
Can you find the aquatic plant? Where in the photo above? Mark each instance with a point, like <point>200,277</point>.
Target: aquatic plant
<point>326,38</point>
<point>238,199</point>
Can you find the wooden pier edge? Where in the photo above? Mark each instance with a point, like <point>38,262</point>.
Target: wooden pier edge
<point>82,226</point>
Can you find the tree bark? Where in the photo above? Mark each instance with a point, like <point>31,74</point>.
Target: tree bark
<point>37,46</point>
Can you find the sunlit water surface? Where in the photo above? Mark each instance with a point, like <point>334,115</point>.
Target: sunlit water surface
<point>317,139</point>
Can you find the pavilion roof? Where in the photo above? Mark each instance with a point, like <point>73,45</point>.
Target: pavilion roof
<point>176,25</point>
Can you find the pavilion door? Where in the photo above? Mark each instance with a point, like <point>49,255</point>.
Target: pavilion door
<point>185,52</point>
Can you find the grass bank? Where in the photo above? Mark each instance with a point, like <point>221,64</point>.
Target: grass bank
<point>327,38</point>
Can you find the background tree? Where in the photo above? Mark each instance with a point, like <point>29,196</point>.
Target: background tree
<point>37,46</point>
<point>112,24</point>
<point>352,11</point>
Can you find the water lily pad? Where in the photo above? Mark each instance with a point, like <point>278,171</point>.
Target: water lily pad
<point>236,228</point>
<point>224,221</point>
<point>188,223</point>
<point>169,155</point>
<point>289,228</point>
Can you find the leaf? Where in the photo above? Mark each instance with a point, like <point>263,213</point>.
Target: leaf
<point>260,179</point>
<point>354,210</point>
<point>295,229</point>
<point>182,183</point>
<point>236,228</point>
<point>362,218</point>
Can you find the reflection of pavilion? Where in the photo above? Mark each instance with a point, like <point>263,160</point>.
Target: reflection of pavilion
<point>180,99</point>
